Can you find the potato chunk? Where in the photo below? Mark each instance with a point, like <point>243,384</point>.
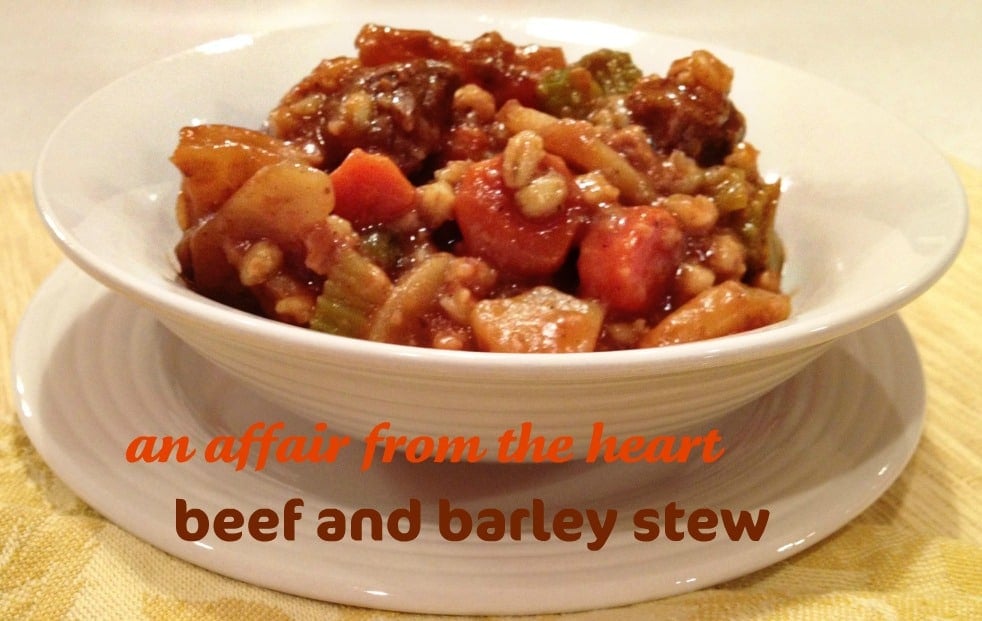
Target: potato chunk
<point>727,308</point>
<point>215,160</point>
<point>541,320</point>
<point>280,203</point>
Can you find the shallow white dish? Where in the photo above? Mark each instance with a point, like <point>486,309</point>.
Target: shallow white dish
<point>93,371</point>
<point>871,216</point>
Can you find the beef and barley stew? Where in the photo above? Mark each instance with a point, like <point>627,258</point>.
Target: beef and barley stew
<point>481,195</point>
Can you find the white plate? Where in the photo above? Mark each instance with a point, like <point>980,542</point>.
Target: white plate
<point>93,371</point>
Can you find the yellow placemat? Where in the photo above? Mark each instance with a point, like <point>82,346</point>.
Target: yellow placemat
<point>915,554</point>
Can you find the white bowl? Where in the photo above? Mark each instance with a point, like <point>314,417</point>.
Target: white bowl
<point>871,216</point>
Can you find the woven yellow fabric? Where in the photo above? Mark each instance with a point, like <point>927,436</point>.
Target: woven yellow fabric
<point>915,554</point>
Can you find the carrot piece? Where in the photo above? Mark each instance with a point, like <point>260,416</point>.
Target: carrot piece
<point>370,189</point>
<point>494,228</point>
<point>628,257</point>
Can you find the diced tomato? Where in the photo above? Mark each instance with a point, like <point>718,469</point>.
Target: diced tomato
<point>370,189</point>
<point>494,228</point>
<point>628,257</point>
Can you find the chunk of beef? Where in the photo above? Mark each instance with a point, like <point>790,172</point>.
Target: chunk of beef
<point>689,109</point>
<point>399,109</point>
<point>506,70</point>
